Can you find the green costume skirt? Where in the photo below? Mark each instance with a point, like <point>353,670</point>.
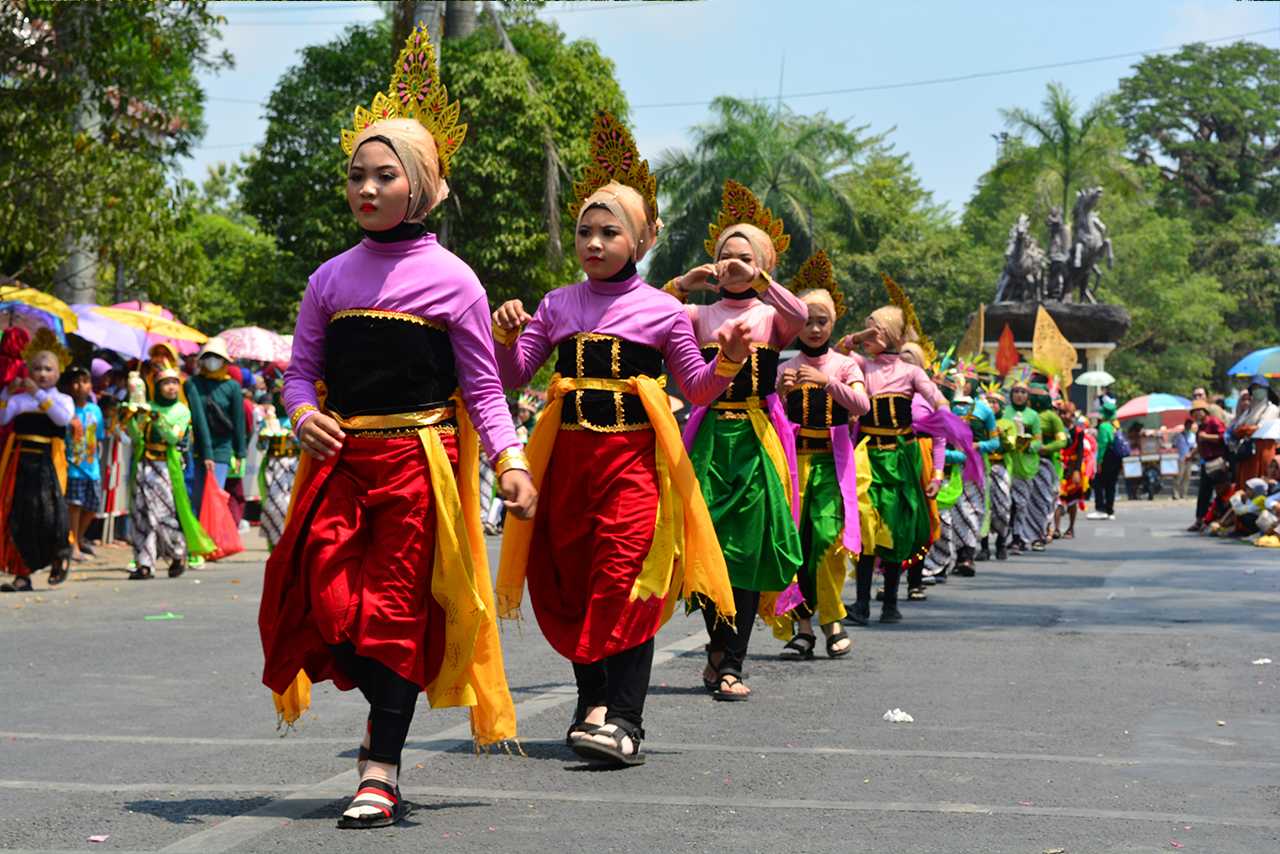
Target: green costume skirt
<point>898,498</point>
<point>821,530</point>
<point>748,505</point>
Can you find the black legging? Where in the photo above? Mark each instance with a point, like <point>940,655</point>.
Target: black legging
<point>1105,486</point>
<point>391,697</point>
<point>892,576</point>
<point>731,640</point>
<point>1204,494</point>
<point>620,683</point>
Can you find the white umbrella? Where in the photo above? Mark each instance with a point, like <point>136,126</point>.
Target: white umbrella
<point>1098,379</point>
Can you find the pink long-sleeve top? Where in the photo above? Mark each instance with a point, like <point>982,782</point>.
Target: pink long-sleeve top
<point>775,317</point>
<point>888,374</point>
<point>631,310</point>
<point>843,373</point>
<point>418,277</point>
<point>61,408</point>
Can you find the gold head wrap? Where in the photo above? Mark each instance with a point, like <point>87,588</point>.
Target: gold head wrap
<point>899,298</point>
<point>815,281</point>
<point>415,93</point>
<point>892,322</point>
<point>742,215</point>
<point>163,351</point>
<point>44,341</point>
<point>617,179</point>
<point>416,150</point>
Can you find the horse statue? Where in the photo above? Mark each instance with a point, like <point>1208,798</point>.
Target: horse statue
<point>1024,261</point>
<point>1059,254</point>
<point>1090,244</point>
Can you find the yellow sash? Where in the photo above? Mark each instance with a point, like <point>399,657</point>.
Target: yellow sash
<point>685,554</point>
<point>472,672</point>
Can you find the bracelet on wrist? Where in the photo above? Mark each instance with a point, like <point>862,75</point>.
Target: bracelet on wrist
<point>727,367</point>
<point>512,459</point>
<point>505,337</point>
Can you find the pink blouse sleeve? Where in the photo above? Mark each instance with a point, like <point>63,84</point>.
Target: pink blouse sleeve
<point>472,340</point>
<point>924,387</point>
<point>697,378</point>
<point>842,391</point>
<point>518,362</point>
<point>307,362</point>
<point>792,313</point>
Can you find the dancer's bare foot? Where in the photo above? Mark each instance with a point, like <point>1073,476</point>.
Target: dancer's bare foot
<point>841,645</point>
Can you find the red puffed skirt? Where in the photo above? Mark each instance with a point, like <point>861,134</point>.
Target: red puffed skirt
<point>354,565</point>
<point>595,524</point>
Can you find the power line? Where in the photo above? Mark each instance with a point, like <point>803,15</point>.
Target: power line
<point>977,75</point>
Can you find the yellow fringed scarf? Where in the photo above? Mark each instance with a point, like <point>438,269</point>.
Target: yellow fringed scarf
<point>685,555</point>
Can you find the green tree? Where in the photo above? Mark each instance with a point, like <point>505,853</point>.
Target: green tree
<point>293,185</point>
<point>97,101</point>
<point>1209,119</point>
<point>788,160</point>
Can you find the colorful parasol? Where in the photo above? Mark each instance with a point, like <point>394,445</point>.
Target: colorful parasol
<point>256,344</point>
<point>1265,361</point>
<point>1156,410</point>
<point>110,334</point>
<point>155,325</point>
<point>183,345</point>
<point>32,309</point>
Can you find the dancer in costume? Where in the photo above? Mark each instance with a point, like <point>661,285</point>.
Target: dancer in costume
<point>892,501</point>
<point>1024,461</point>
<point>380,580</point>
<point>932,447</point>
<point>33,468</point>
<point>822,389</point>
<point>1075,475</point>
<point>278,469</point>
<point>1048,479</point>
<point>162,524</point>
<point>621,531</point>
<point>999,481</point>
<point>741,446</point>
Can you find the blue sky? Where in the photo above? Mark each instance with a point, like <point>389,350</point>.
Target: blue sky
<point>694,51</point>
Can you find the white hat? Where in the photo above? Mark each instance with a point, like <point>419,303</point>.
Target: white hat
<point>215,346</point>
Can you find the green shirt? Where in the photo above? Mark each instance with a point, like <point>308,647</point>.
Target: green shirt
<point>1023,462</point>
<point>1106,434</point>
<point>215,441</point>
<point>1053,433</point>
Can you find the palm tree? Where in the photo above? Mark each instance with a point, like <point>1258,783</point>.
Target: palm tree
<point>1062,149</point>
<point>786,159</point>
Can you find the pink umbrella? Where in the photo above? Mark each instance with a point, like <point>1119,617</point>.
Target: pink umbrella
<point>254,343</point>
<point>183,347</point>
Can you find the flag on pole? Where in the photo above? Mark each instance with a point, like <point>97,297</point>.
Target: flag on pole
<point>1051,350</point>
<point>971,344</point>
<point>1006,353</point>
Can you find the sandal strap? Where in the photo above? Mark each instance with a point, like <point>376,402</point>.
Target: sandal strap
<point>376,793</point>
<point>802,642</point>
<point>623,727</point>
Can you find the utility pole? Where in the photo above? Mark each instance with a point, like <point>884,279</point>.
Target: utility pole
<point>76,279</point>
<point>460,18</point>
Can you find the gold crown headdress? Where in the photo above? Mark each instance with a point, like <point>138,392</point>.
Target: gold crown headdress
<point>899,297</point>
<point>614,157</point>
<point>415,92</point>
<point>44,340</point>
<point>817,274</point>
<point>738,205</point>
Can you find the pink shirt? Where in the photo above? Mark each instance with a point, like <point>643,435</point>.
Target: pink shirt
<point>631,310</point>
<point>888,374</point>
<point>842,374</point>
<point>775,318</point>
<point>61,407</point>
<point>418,277</point>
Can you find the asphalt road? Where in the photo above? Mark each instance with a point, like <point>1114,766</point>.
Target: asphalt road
<point>1099,697</point>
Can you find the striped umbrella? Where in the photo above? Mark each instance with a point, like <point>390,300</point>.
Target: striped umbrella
<point>1265,361</point>
<point>1155,410</point>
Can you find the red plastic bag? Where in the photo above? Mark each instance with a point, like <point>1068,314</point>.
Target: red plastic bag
<point>217,521</point>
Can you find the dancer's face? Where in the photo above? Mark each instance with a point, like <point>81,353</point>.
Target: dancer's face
<point>738,248</point>
<point>603,245</point>
<point>167,389</point>
<point>817,329</point>
<point>377,187</point>
<point>1018,397</point>
<point>44,370</point>
<point>874,345</point>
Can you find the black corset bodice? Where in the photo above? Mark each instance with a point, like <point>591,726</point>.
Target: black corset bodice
<point>888,418</point>
<point>812,408</point>
<point>383,362</point>
<point>589,355</point>
<point>37,424</point>
<point>758,377</point>
<point>977,426</point>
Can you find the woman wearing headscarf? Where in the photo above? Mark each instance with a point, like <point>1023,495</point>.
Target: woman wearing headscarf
<point>621,532</point>
<point>893,501</point>
<point>1252,455</point>
<point>742,445</point>
<point>380,580</point>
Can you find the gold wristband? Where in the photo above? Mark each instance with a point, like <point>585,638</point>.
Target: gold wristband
<point>505,337</point>
<point>301,410</point>
<point>512,459</point>
<point>761,282</point>
<point>673,287</point>
<point>727,367</point>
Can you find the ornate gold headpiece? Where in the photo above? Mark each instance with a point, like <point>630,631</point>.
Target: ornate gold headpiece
<point>415,92</point>
<point>816,273</point>
<point>738,204</point>
<point>614,157</point>
<point>45,340</point>
<point>899,297</point>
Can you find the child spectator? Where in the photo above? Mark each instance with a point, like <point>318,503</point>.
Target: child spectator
<point>84,469</point>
